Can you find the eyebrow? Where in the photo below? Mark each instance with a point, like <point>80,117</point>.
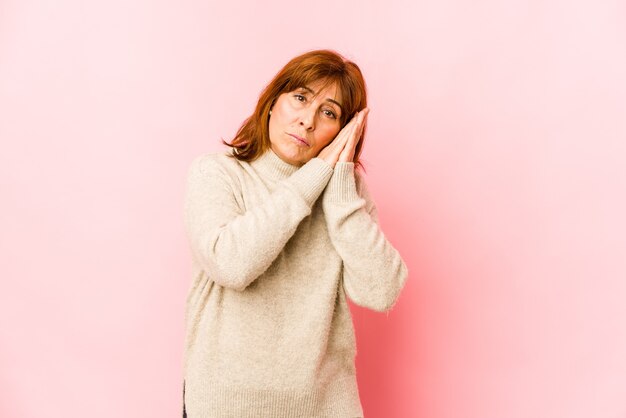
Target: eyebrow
<point>327,99</point>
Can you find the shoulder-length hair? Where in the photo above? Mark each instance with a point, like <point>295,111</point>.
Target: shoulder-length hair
<point>252,138</point>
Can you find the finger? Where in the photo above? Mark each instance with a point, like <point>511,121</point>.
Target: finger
<point>353,120</point>
<point>347,153</point>
<point>349,150</point>
<point>344,137</point>
<point>362,121</point>
<point>363,115</point>
<point>349,130</point>
<point>339,143</point>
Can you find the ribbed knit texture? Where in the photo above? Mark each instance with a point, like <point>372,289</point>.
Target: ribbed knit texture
<point>276,249</point>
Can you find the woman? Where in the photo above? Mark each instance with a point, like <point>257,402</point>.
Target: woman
<point>282,230</point>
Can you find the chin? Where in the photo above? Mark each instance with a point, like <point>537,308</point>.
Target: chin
<point>296,159</point>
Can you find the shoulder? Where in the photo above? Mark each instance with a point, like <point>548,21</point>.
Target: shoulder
<point>213,163</point>
<point>215,170</point>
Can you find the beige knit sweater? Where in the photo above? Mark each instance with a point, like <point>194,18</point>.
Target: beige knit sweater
<point>276,250</point>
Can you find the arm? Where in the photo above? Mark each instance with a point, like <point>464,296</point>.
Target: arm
<point>373,271</point>
<point>234,245</point>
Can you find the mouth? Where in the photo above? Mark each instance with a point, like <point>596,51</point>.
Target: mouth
<point>300,139</point>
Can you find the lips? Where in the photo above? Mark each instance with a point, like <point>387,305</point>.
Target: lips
<point>299,138</point>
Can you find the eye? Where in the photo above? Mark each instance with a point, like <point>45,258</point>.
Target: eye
<point>330,113</point>
<point>300,97</point>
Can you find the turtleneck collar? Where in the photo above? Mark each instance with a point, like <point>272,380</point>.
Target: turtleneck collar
<point>271,165</point>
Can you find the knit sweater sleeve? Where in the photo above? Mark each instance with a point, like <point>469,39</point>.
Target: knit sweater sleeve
<point>235,245</point>
<point>373,270</point>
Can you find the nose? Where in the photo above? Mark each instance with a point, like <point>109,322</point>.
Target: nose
<point>307,118</point>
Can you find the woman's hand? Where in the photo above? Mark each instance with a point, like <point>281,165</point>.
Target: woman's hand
<point>343,146</point>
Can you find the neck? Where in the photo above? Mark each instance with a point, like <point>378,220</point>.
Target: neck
<point>270,164</point>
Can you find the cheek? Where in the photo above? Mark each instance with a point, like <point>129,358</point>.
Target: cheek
<point>284,110</point>
<point>330,133</point>
<point>279,117</point>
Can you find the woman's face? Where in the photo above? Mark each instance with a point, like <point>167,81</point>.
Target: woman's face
<point>303,122</point>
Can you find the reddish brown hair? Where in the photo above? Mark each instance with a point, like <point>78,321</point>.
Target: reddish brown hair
<point>252,138</point>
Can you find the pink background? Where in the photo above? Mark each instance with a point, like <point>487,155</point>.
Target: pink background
<point>496,154</point>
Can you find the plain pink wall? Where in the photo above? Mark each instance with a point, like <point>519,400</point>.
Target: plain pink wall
<point>496,154</point>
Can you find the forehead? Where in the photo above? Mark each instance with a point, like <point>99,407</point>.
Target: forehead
<point>325,89</point>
